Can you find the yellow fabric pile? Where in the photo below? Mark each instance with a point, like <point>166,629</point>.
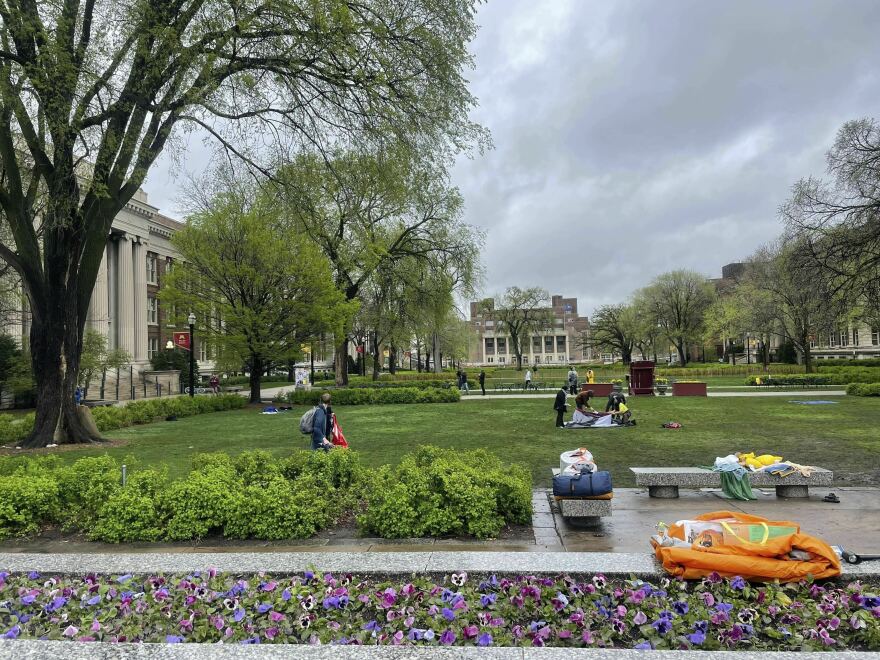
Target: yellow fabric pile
<point>758,462</point>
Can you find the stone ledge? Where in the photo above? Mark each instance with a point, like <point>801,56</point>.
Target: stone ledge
<point>37,650</point>
<point>700,477</point>
<point>370,563</point>
<point>584,508</point>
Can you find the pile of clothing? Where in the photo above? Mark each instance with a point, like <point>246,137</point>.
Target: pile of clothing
<point>581,478</point>
<point>734,467</point>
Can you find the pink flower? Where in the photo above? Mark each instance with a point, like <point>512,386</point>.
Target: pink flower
<point>70,631</point>
<point>640,618</point>
<point>708,599</point>
<point>587,637</point>
<point>470,631</point>
<point>96,626</point>
<point>276,616</point>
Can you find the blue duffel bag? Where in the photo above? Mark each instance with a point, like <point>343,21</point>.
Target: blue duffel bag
<point>585,484</point>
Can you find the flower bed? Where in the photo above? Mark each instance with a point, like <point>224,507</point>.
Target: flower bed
<point>459,610</point>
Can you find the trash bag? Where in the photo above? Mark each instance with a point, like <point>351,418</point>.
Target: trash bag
<point>731,544</point>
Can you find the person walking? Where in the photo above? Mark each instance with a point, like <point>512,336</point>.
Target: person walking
<point>458,378</point>
<point>215,384</point>
<point>464,383</point>
<point>560,407</point>
<point>483,381</point>
<point>322,424</point>
<point>528,379</point>
<point>572,381</point>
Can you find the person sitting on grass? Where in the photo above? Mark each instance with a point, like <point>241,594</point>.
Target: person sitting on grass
<point>322,424</point>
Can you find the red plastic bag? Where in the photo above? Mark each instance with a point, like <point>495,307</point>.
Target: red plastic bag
<point>336,436</point>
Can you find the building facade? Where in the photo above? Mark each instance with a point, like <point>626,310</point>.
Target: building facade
<point>562,343</point>
<point>125,305</point>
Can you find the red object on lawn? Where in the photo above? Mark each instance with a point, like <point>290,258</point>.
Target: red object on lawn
<point>336,437</point>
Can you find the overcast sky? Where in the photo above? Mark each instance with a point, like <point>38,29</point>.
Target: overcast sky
<point>632,138</point>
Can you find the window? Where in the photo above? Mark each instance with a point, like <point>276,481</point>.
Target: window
<point>812,341</point>
<point>560,344</point>
<point>536,344</point>
<point>548,344</point>
<point>490,359</point>
<point>875,336</point>
<point>855,336</point>
<point>490,324</point>
<point>844,338</point>
<point>832,340</point>
<point>152,269</point>
<point>537,359</point>
<point>203,352</point>
<point>502,360</point>
<point>170,315</point>
<point>152,311</point>
<point>152,347</point>
<point>501,345</point>
<point>584,353</point>
<point>490,346</point>
<point>548,358</point>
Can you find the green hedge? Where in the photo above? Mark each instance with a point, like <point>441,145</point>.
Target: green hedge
<point>793,379</point>
<point>373,396</point>
<point>253,495</point>
<point>432,492</point>
<point>420,384</point>
<point>867,362</point>
<point>843,375</point>
<point>863,389</point>
<point>440,492</point>
<point>108,418</point>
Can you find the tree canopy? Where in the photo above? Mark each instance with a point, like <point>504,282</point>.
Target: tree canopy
<point>519,314</point>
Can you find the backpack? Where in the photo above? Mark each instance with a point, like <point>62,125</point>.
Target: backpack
<point>307,421</point>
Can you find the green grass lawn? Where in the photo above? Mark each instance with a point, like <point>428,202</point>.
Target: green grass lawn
<point>842,437</point>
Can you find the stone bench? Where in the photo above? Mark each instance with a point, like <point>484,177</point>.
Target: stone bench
<point>664,482</point>
<point>578,508</point>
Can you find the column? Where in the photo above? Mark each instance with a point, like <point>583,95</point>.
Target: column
<point>139,255</point>
<point>125,296</point>
<point>99,306</point>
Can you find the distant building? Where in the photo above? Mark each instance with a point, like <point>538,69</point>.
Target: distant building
<point>556,345</point>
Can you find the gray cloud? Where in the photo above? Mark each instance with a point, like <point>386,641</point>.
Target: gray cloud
<point>634,137</point>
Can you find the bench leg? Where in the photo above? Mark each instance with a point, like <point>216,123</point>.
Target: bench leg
<point>793,491</point>
<point>663,492</point>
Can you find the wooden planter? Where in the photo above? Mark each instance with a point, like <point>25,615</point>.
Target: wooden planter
<point>599,389</point>
<point>689,389</point>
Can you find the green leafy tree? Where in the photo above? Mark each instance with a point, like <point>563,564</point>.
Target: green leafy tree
<point>677,302</point>
<point>97,358</point>
<point>519,314</point>
<point>257,287</point>
<point>370,211</point>
<point>92,92</point>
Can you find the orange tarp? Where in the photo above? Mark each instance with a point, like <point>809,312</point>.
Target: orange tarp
<point>764,560</point>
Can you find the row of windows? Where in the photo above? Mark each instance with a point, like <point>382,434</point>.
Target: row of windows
<point>841,338</point>
<point>495,345</point>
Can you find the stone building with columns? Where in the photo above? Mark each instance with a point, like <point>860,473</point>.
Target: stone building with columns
<point>125,305</point>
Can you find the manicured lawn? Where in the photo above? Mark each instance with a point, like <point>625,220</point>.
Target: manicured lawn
<point>842,437</point>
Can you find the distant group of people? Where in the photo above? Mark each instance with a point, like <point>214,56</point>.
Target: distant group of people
<point>462,381</point>
<point>585,414</point>
<point>573,379</point>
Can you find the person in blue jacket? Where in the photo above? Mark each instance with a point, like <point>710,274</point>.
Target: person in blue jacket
<point>322,424</point>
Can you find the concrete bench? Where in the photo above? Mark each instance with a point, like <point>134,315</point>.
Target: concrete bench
<point>664,482</point>
<point>577,508</point>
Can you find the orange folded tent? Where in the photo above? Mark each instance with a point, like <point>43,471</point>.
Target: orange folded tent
<point>752,547</point>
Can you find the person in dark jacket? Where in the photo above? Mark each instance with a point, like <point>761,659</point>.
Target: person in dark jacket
<point>322,424</point>
<point>483,381</point>
<point>560,407</point>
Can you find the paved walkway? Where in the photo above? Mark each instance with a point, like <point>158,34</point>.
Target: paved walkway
<point>798,393</point>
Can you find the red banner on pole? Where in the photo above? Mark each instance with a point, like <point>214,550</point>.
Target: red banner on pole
<point>360,349</point>
<point>181,340</point>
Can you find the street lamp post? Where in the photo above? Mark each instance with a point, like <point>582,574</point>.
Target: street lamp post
<point>192,354</point>
<point>748,347</point>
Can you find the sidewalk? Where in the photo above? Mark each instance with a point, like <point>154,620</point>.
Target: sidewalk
<point>811,393</point>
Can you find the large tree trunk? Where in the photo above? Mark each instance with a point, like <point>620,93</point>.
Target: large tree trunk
<point>56,344</point>
<point>256,378</point>
<point>392,359</point>
<point>808,357</point>
<point>342,362</point>
<point>681,347</point>
<point>435,350</point>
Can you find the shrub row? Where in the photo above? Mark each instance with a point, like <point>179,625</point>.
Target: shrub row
<point>793,379</point>
<point>375,396</point>
<point>15,429</point>
<point>867,362</point>
<point>253,495</point>
<point>256,495</point>
<point>438,492</point>
<point>420,384</point>
<point>844,375</point>
<point>863,389</point>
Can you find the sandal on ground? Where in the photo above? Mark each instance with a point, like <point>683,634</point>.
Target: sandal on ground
<point>831,497</point>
